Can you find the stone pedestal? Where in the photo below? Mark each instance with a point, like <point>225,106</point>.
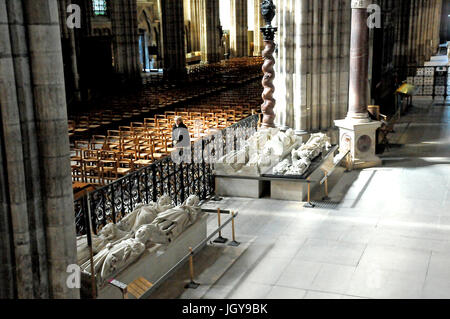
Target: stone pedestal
<point>360,138</point>
<point>288,190</point>
<point>237,187</point>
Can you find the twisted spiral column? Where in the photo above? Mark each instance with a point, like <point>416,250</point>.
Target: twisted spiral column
<point>269,75</point>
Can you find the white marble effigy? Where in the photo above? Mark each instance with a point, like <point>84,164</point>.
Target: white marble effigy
<point>149,229</point>
<point>301,158</point>
<point>264,149</point>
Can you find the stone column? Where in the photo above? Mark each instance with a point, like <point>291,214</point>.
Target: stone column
<point>259,23</point>
<point>69,38</point>
<point>196,7</point>
<point>344,59</point>
<point>315,69</point>
<point>267,108</point>
<point>357,131</point>
<point>239,28</point>
<point>325,66</point>
<point>18,252</point>
<point>125,38</point>
<point>359,62</point>
<point>301,91</point>
<point>209,31</point>
<point>437,24</point>
<point>173,38</point>
<point>412,40</point>
<point>36,192</point>
<point>53,141</point>
<point>444,21</point>
<point>285,38</point>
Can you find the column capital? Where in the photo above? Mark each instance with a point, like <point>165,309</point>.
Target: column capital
<point>360,4</point>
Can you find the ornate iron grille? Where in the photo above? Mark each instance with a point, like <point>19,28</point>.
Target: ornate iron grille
<point>428,80</point>
<point>164,177</point>
<point>100,7</point>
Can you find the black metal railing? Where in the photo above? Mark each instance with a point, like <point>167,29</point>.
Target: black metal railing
<point>429,80</point>
<point>164,177</point>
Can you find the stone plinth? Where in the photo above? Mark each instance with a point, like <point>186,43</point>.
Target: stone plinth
<point>360,138</point>
<point>288,190</point>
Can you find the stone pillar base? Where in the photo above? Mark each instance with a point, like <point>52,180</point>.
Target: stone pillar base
<point>360,138</point>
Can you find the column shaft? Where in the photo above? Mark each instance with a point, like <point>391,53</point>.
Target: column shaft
<point>173,38</point>
<point>359,50</point>
<point>239,28</point>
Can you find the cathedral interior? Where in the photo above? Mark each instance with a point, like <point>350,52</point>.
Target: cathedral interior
<point>224,149</point>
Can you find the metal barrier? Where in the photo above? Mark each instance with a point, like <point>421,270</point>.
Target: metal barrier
<point>112,202</point>
<point>428,80</point>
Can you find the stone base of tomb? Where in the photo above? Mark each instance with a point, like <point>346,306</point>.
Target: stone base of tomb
<point>288,190</point>
<point>240,187</point>
<point>293,190</point>
<point>155,262</point>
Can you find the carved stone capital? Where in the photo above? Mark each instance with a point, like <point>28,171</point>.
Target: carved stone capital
<point>269,33</point>
<point>360,4</point>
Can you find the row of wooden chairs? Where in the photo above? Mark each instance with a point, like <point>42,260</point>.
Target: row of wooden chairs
<point>109,110</point>
<point>104,158</point>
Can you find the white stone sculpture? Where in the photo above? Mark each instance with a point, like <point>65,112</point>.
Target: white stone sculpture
<point>125,228</point>
<point>115,257</point>
<point>144,214</point>
<point>157,223</point>
<point>168,225</point>
<point>302,157</point>
<point>111,233</point>
<point>260,152</point>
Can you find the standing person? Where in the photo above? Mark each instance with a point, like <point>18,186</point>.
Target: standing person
<point>179,132</point>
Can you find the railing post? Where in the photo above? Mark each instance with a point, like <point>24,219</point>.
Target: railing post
<point>91,253</point>
<point>154,184</point>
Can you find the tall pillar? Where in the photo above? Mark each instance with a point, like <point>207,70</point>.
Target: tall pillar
<point>196,24</point>
<point>437,24</point>
<point>36,193</point>
<point>125,38</point>
<point>359,63</point>
<point>325,66</point>
<point>300,90</point>
<point>209,31</point>
<point>344,60</point>
<point>258,21</point>
<point>172,17</point>
<point>239,28</point>
<point>68,36</point>
<point>267,108</point>
<point>443,27</point>
<point>357,131</point>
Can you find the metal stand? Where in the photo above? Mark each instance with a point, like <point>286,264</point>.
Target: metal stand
<point>220,239</point>
<point>326,197</point>
<point>309,204</point>
<point>192,284</point>
<point>233,243</point>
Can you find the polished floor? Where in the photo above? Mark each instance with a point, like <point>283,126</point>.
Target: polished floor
<point>385,233</point>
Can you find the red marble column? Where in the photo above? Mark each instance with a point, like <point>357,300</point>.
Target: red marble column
<point>359,62</point>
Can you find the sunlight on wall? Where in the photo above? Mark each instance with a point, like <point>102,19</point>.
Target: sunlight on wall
<point>251,12</point>
<point>225,16</point>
